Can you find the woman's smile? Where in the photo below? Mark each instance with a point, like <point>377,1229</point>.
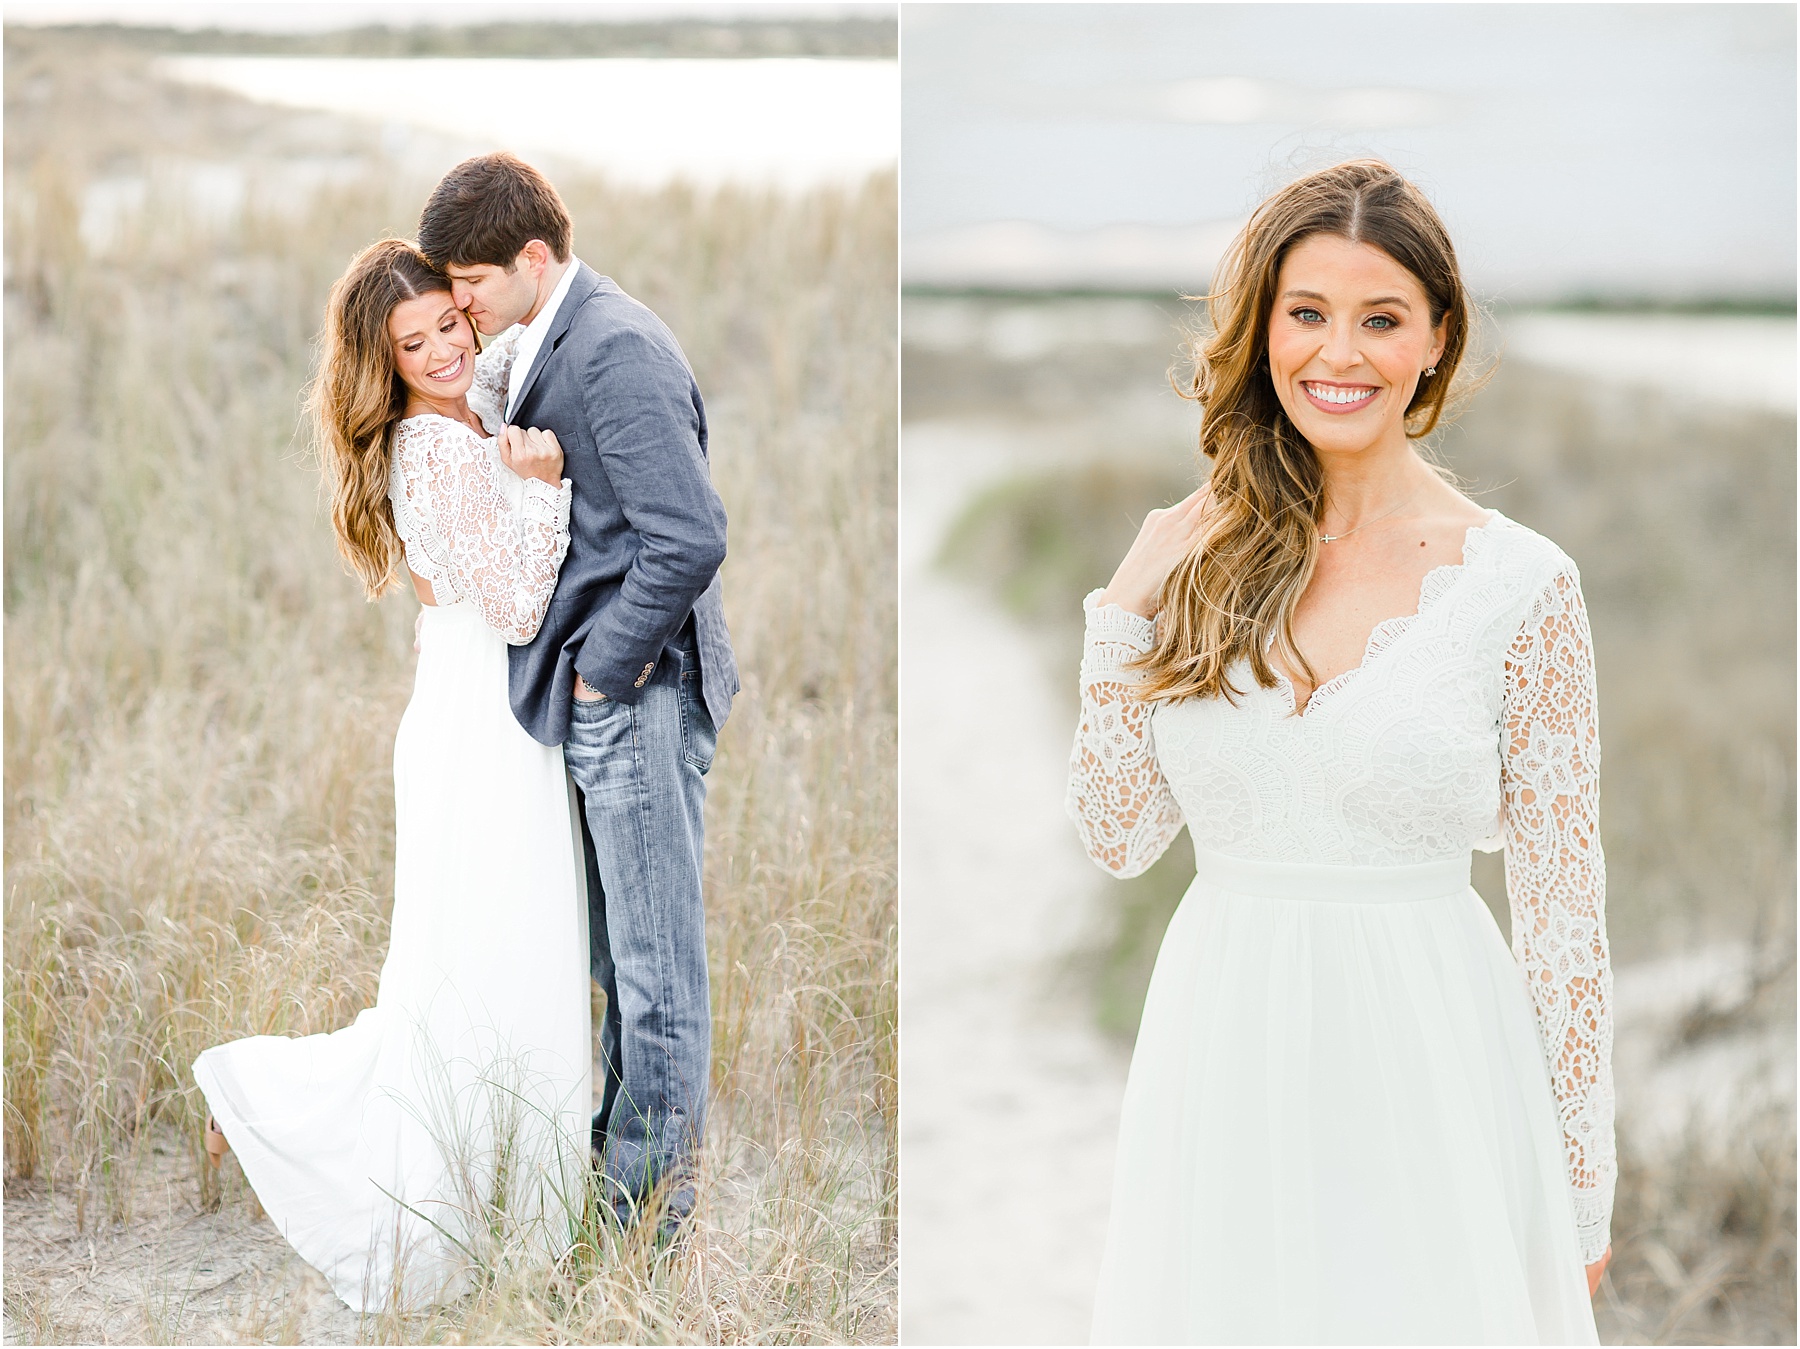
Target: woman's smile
<point>447,372</point>
<point>1338,399</point>
<point>433,347</point>
<point>1349,326</point>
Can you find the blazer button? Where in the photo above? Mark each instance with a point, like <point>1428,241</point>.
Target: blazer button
<point>644,678</point>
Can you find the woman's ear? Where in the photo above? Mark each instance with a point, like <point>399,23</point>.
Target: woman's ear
<point>1440,338</point>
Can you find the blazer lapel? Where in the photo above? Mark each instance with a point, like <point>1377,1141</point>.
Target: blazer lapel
<point>586,281</point>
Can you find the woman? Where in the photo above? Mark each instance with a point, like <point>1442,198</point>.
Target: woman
<point>451,1119</point>
<point>1341,1123</point>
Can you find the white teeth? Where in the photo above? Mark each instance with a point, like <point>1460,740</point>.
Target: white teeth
<point>450,371</point>
<point>1325,393</point>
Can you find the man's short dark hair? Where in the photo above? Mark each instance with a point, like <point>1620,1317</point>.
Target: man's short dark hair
<point>487,209</point>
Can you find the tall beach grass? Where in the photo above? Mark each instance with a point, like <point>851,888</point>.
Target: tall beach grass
<point>200,708</point>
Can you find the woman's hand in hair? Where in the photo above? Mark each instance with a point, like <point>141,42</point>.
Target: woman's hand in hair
<point>1165,538</point>
<point>532,453</point>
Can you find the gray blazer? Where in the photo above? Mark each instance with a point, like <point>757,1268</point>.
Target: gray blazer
<point>647,530</point>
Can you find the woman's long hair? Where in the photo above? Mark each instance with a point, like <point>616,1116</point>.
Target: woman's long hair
<point>1259,542</point>
<point>357,398</point>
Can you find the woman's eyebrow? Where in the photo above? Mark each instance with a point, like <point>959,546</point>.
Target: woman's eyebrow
<point>1393,300</point>
<point>448,311</point>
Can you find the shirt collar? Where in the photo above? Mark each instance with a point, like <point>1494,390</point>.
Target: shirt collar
<point>534,331</point>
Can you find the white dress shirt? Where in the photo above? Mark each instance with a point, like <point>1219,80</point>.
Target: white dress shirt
<point>533,337</point>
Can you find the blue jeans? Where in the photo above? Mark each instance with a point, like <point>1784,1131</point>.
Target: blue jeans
<point>640,770</point>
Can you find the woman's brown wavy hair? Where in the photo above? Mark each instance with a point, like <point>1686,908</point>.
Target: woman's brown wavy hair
<point>357,398</point>
<point>1257,548</point>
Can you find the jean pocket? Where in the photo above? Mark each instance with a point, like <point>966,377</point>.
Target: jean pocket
<point>699,738</point>
<point>590,709</point>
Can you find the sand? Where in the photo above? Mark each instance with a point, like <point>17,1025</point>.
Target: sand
<point>1009,1096</point>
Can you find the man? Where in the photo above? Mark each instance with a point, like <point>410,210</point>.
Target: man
<point>632,671</point>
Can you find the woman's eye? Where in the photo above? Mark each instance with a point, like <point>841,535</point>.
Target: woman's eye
<point>1309,316</point>
<point>1380,322</point>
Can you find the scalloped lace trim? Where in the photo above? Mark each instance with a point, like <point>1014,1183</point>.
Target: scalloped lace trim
<point>1494,707</point>
<point>1435,584</point>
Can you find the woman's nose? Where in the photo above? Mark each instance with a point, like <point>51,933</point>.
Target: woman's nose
<point>1340,347</point>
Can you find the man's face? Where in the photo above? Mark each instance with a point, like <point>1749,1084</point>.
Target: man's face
<point>494,298</point>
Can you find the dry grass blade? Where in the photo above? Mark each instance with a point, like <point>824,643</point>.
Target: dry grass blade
<point>199,708</point>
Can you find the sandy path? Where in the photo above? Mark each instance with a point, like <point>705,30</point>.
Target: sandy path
<point>174,1274</point>
<point>1009,1096</point>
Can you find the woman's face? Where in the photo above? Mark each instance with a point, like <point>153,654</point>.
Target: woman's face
<point>1349,337</point>
<point>434,346</point>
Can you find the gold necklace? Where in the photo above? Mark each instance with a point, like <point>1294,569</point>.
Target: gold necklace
<point>1333,538</point>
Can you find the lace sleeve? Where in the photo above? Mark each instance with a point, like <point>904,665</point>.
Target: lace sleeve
<point>493,368</point>
<point>1118,797</point>
<point>1556,883</point>
<point>503,560</point>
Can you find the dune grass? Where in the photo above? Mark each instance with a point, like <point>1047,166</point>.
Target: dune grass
<point>200,708</point>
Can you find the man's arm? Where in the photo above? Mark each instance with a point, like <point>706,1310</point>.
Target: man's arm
<point>641,409</point>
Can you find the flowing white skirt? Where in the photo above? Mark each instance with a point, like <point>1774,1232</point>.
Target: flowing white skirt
<point>450,1120</point>
<point>1338,1126</point>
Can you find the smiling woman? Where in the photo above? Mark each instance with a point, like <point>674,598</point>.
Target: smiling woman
<point>455,1109</point>
<point>434,351</point>
<point>248,885</point>
<point>1337,1058</point>
<point>1330,307</point>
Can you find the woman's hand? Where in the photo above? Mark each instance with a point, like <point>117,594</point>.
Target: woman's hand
<point>1165,538</point>
<point>532,453</point>
<point>1597,1271</point>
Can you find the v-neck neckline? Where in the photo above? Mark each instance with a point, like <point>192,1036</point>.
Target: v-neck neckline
<point>1383,635</point>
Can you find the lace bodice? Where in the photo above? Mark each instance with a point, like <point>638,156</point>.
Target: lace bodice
<point>472,527</point>
<point>1470,724</point>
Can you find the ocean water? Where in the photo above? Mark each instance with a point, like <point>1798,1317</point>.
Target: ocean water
<point>1735,360</point>
<point>787,122</point>
<point>1740,360</point>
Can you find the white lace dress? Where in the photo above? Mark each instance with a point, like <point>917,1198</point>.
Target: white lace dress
<point>1352,1116</point>
<point>392,1152</point>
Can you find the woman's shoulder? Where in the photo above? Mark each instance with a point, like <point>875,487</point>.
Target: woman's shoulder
<point>433,430</point>
<point>1524,561</point>
<point>428,442</point>
<point>1521,544</point>
<point>502,346</point>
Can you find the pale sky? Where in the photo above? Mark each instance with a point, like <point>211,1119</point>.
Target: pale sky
<point>1567,145</point>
